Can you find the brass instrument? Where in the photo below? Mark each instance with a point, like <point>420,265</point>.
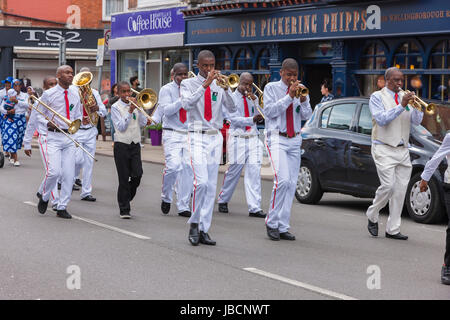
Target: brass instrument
<point>82,80</point>
<point>31,104</point>
<point>301,92</point>
<point>417,103</point>
<point>260,99</point>
<point>191,74</point>
<point>146,99</point>
<point>231,81</point>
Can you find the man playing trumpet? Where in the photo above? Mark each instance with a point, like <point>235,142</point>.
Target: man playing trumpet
<point>284,109</point>
<point>244,148</point>
<point>392,119</point>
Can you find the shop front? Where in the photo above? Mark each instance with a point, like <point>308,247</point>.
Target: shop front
<point>351,44</point>
<point>147,44</point>
<point>32,53</point>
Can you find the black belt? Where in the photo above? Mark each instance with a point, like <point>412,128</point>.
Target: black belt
<point>284,134</point>
<point>85,128</point>
<point>58,130</point>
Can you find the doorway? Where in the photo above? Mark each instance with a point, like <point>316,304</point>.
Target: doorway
<point>313,75</point>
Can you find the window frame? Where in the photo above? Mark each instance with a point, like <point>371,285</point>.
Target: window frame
<point>108,18</point>
<point>358,117</point>
<point>352,121</point>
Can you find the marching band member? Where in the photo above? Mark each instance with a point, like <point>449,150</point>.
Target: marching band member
<point>430,167</point>
<point>175,142</point>
<point>87,137</point>
<point>127,149</point>
<point>16,106</point>
<point>36,123</point>
<point>284,113</point>
<point>3,95</point>
<point>390,137</point>
<point>204,100</point>
<point>61,151</point>
<point>244,148</point>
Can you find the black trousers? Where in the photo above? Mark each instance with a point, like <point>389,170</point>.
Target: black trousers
<point>447,243</point>
<point>129,170</point>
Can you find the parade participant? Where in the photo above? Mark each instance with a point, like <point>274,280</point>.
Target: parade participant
<point>41,127</point>
<point>244,149</point>
<point>3,94</point>
<point>127,122</point>
<point>15,106</point>
<point>175,141</point>
<point>430,167</point>
<point>61,151</point>
<point>284,111</point>
<point>204,100</point>
<point>87,137</point>
<point>390,138</point>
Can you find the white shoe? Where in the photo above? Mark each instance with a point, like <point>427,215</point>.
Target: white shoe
<point>11,160</point>
<point>17,164</point>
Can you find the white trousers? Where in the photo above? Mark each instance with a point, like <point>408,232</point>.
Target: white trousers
<point>88,140</point>
<point>177,170</point>
<point>61,162</point>
<point>243,152</point>
<point>284,154</point>
<point>394,171</point>
<point>205,153</point>
<point>54,194</point>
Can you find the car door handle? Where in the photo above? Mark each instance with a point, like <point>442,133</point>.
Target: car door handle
<point>319,142</point>
<point>356,149</point>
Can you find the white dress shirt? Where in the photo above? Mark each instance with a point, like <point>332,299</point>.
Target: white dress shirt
<point>21,107</point>
<point>433,163</point>
<point>276,102</point>
<point>383,117</point>
<point>34,123</point>
<point>121,123</point>
<point>238,119</point>
<point>193,101</point>
<point>55,98</point>
<point>170,105</point>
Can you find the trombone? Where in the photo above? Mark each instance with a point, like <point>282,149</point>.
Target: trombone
<point>146,99</point>
<point>32,97</point>
<point>260,100</point>
<point>417,103</point>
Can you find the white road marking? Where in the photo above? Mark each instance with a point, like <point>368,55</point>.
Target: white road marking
<point>102,225</point>
<point>432,229</point>
<point>296,283</point>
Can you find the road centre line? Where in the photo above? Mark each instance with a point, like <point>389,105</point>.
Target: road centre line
<point>303,285</point>
<point>102,225</point>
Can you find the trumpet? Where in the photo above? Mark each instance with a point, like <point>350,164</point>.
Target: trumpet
<point>146,99</point>
<point>231,81</point>
<point>31,104</point>
<point>191,74</point>
<point>417,103</point>
<point>301,92</point>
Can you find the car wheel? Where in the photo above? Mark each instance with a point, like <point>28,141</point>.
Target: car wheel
<point>424,207</point>
<point>2,159</point>
<point>308,187</point>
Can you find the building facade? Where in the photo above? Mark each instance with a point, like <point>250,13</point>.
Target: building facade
<point>351,43</point>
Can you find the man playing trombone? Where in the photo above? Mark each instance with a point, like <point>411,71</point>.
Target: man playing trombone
<point>61,150</point>
<point>390,138</point>
<point>244,148</point>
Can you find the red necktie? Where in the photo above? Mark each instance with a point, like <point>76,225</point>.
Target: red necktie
<point>396,98</point>
<point>67,104</point>
<point>182,113</point>
<point>290,119</point>
<point>247,113</point>
<point>208,111</point>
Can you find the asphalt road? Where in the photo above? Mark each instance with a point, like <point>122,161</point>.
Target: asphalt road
<point>149,256</point>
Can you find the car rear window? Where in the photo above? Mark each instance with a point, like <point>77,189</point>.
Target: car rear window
<point>365,120</point>
<point>341,116</point>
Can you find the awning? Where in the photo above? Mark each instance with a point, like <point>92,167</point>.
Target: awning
<point>53,53</point>
<point>147,42</point>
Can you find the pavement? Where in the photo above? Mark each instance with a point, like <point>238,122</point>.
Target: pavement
<point>155,154</point>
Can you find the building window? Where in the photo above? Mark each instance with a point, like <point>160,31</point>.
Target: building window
<point>406,57</point>
<point>223,59</point>
<point>373,58</point>
<point>170,58</point>
<point>132,64</point>
<point>243,60</point>
<point>113,6</point>
<point>439,84</point>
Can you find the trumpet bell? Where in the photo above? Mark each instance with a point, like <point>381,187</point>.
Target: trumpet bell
<point>233,81</point>
<point>430,109</point>
<point>191,74</point>
<point>74,126</point>
<point>147,98</point>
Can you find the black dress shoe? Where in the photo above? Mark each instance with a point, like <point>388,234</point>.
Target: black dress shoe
<point>78,182</point>
<point>75,187</point>
<point>165,207</point>
<point>194,236</point>
<point>445,275</point>
<point>55,207</point>
<point>42,206</point>
<point>223,207</point>
<point>273,234</point>
<point>205,239</point>
<point>125,215</point>
<point>397,236</point>
<point>373,228</point>
<point>38,195</point>
<point>89,198</point>
<point>259,214</point>
<point>63,214</point>
<point>185,214</point>
<point>287,236</point>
